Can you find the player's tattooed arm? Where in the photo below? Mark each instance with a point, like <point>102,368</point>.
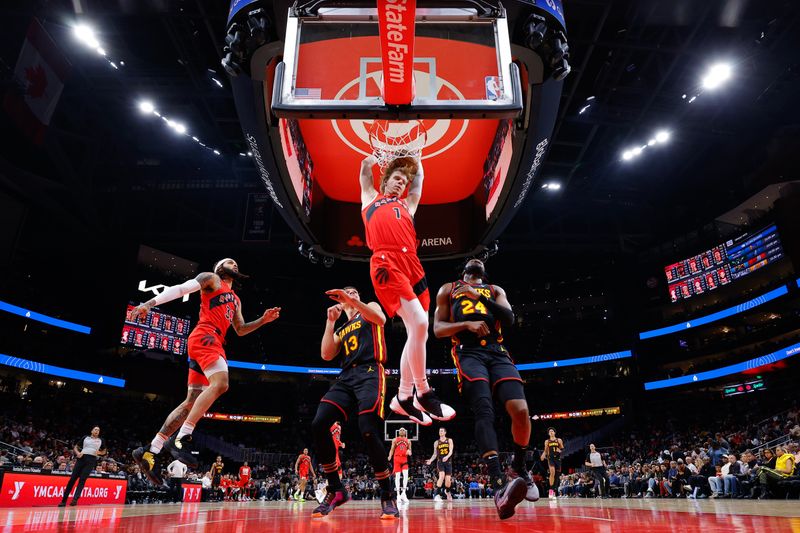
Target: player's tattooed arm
<point>243,328</point>
<point>208,281</point>
<point>443,327</point>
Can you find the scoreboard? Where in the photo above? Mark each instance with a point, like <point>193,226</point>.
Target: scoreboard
<point>157,331</point>
<point>723,263</point>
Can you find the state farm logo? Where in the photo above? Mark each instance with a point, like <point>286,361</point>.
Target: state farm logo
<point>17,490</point>
<point>443,134</point>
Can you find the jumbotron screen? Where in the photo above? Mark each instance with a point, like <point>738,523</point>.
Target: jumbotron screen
<point>723,263</point>
<point>156,331</point>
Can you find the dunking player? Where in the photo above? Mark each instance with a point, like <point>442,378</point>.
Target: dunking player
<point>442,453</point>
<point>220,308</point>
<point>302,467</point>
<point>472,313</point>
<point>400,452</point>
<point>398,278</point>
<point>552,452</point>
<point>358,392</point>
<point>336,435</point>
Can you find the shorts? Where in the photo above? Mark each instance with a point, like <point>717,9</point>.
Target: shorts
<point>400,465</point>
<point>303,474</point>
<point>215,481</point>
<point>361,388</point>
<point>445,466</point>
<point>555,463</point>
<point>491,364</point>
<point>243,483</point>
<point>205,351</point>
<point>397,275</point>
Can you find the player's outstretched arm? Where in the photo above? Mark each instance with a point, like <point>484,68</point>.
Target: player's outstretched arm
<point>204,280</point>
<point>367,181</point>
<point>331,344</point>
<point>243,328</point>
<point>391,450</point>
<point>442,327</point>
<point>371,311</point>
<point>415,189</point>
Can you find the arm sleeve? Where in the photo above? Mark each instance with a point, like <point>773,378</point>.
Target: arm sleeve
<point>177,291</point>
<point>504,314</point>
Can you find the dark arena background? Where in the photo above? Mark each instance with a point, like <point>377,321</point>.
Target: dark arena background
<point>628,171</point>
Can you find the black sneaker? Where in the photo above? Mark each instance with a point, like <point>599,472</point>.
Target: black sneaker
<point>73,503</point>
<point>62,504</point>
<point>331,501</point>
<point>406,408</point>
<point>181,449</point>
<point>148,464</point>
<point>533,491</point>
<point>389,506</point>
<point>507,498</point>
<point>430,404</point>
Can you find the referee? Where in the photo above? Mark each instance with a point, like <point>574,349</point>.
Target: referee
<point>598,465</point>
<point>87,460</point>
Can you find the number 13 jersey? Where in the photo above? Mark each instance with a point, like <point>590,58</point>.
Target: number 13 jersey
<point>362,342</point>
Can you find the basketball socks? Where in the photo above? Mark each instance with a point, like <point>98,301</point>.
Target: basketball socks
<point>158,443</point>
<point>495,474</point>
<point>518,463</point>
<point>186,429</point>
<point>422,385</point>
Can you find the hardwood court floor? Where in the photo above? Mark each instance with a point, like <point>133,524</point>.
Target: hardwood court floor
<point>424,516</point>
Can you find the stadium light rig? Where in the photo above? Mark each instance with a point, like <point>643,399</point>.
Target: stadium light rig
<point>551,186</point>
<point>147,107</point>
<point>86,35</point>
<point>659,137</point>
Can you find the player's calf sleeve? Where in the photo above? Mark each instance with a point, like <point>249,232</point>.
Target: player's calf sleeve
<point>369,425</point>
<point>482,408</point>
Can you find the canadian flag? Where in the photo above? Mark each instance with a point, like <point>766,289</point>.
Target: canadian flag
<point>39,77</point>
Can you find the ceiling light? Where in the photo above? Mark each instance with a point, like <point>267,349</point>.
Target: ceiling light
<point>651,142</point>
<point>101,51</point>
<point>627,155</point>
<point>147,107</point>
<point>637,150</point>
<point>716,76</point>
<point>216,152</point>
<point>85,34</point>
<point>178,127</point>
<point>662,136</point>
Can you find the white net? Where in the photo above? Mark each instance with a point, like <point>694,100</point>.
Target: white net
<point>393,140</point>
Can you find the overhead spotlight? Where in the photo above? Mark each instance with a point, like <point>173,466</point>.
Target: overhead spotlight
<point>651,142</point>
<point>146,107</point>
<point>178,127</point>
<point>219,83</point>
<point>637,150</point>
<point>627,155</point>
<point>216,152</point>
<point>242,154</point>
<point>662,136</point>
<point>249,154</point>
<point>716,76</point>
<point>328,261</point>
<point>551,186</point>
<point>692,99</point>
<point>85,34</point>
<point>101,52</point>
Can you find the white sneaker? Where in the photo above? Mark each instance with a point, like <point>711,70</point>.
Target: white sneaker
<point>551,494</point>
<point>437,498</point>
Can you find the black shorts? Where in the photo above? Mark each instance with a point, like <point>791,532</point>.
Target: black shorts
<point>445,466</point>
<point>215,481</point>
<point>491,364</point>
<point>361,389</point>
<point>555,463</point>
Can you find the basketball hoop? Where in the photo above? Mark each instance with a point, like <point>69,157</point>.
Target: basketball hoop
<point>393,140</point>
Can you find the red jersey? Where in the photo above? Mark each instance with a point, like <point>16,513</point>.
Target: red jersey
<point>244,473</point>
<point>305,463</point>
<point>389,225</point>
<point>217,310</point>
<point>401,446</point>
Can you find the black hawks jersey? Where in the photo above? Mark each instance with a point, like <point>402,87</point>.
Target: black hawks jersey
<point>362,342</point>
<point>465,309</point>
<point>442,448</point>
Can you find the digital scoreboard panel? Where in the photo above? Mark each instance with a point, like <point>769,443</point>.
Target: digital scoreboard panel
<point>744,388</point>
<point>157,331</point>
<point>723,263</point>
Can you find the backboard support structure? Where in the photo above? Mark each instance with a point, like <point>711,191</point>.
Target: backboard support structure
<point>393,68</point>
<point>391,427</point>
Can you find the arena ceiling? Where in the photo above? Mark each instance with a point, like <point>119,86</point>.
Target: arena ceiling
<point>632,63</point>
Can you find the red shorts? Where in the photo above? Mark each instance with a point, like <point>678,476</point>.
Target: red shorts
<point>400,464</point>
<point>303,474</point>
<point>204,349</point>
<point>243,483</point>
<point>397,275</point>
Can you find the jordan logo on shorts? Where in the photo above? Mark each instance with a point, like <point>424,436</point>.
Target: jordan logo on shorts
<point>381,276</point>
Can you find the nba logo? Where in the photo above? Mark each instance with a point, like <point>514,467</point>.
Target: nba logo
<point>494,88</point>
